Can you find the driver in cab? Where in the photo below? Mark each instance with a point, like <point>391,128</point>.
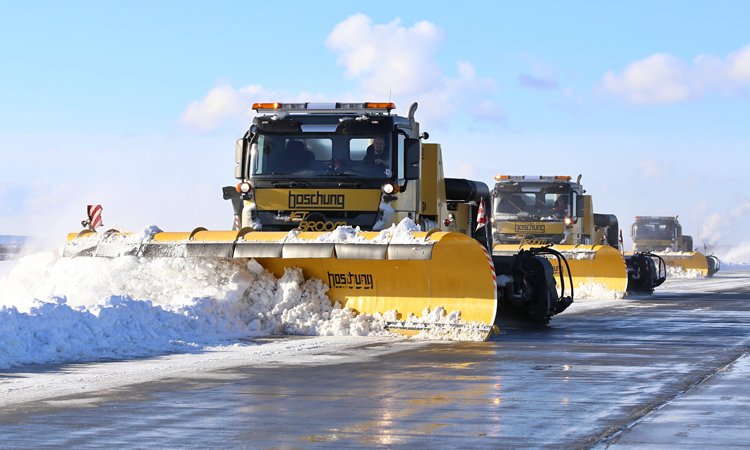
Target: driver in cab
<point>561,205</point>
<point>377,153</point>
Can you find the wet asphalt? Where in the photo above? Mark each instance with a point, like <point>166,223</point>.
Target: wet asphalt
<point>594,378</point>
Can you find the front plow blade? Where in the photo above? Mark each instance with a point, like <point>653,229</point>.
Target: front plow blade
<point>589,264</point>
<point>688,261</point>
<point>440,270</point>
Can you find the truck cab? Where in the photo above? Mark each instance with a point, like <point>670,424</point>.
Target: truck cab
<point>537,210</point>
<point>658,234</point>
<point>318,166</point>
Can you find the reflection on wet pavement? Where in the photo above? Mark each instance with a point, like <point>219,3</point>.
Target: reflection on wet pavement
<point>583,379</point>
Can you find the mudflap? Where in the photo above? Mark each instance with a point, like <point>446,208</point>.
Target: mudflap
<point>532,290</point>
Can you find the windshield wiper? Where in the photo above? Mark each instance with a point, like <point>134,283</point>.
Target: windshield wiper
<point>342,174</point>
<point>292,182</point>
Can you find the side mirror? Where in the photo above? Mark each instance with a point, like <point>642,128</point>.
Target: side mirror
<point>239,158</point>
<point>580,205</point>
<point>412,158</point>
<point>238,151</point>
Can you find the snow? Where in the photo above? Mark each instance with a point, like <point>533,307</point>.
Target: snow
<point>679,272</point>
<point>55,309</point>
<point>58,309</point>
<point>596,291</point>
<point>395,234</point>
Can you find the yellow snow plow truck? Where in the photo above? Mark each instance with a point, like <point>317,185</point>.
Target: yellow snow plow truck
<point>308,172</point>
<point>662,236</point>
<point>531,211</point>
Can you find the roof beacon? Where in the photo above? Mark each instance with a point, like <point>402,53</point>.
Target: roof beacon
<point>324,108</point>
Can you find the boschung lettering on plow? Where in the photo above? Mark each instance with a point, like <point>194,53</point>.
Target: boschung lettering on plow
<point>350,280</point>
<point>316,201</point>
<point>530,227</point>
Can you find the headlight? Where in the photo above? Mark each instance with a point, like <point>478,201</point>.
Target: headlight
<point>568,221</point>
<point>388,188</point>
<point>243,188</point>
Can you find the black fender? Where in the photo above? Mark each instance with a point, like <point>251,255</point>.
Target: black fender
<point>646,271</point>
<point>533,289</point>
<point>714,264</point>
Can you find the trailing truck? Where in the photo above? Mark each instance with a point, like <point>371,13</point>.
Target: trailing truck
<point>306,171</point>
<point>555,212</point>
<point>662,236</point>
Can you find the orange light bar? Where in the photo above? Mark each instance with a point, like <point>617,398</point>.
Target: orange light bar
<point>560,177</point>
<point>502,177</point>
<point>257,106</point>
<point>388,106</point>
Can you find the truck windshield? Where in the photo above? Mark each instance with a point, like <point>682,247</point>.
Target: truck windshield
<point>312,155</point>
<point>528,201</point>
<point>654,230</point>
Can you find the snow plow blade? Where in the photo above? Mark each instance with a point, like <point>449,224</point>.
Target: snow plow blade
<point>444,269</point>
<point>600,264</point>
<point>706,265</point>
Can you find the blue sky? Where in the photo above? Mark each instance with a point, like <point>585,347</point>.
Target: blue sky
<point>136,105</point>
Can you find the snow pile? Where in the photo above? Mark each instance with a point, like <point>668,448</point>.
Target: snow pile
<point>593,291</point>
<point>395,234</point>
<point>118,237</point>
<point>55,309</point>
<point>293,305</point>
<point>441,326</point>
<point>62,309</point>
<point>194,300</point>
<point>679,272</point>
<point>598,291</point>
<point>578,253</point>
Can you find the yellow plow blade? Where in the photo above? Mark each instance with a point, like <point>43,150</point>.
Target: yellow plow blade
<point>448,270</point>
<point>686,261</point>
<point>600,264</point>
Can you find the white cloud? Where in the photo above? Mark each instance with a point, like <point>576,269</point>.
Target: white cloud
<point>389,58</point>
<point>663,78</point>
<point>389,61</point>
<point>394,60</point>
<point>654,168</point>
<point>544,74</point>
<point>222,103</point>
<point>532,82</point>
<point>467,170</point>
<point>488,110</point>
<point>730,224</point>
